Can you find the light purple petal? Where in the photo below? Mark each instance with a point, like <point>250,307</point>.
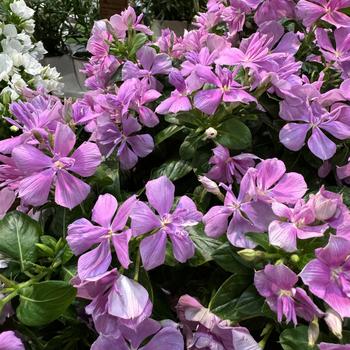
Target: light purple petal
<point>82,235</point>
<point>208,101</point>
<point>95,262</point>
<point>64,139</point>
<point>143,219</point>
<point>35,189</point>
<point>29,159</point>
<point>7,145</point>
<point>216,221</point>
<point>123,214</point>
<point>142,145</point>
<point>283,235</point>
<point>104,342</point>
<point>104,210</point>
<point>127,157</point>
<point>70,191</point>
<point>7,198</point>
<point>293,135</point>
<point>121,246</point>
<point>167,338</point>
<point>160,194</point>
<point>320,145</point>
<point>9,341</point>
<point>152,250</point>
<point>269,172</point>
<point>87,158</point>
<point>183,247</point>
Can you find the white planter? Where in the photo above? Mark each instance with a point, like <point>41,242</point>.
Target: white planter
<point>69,68</point>
<point>177,26</point>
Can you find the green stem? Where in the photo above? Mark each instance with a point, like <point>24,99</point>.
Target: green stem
<point>64,223</point>
<point>6,281</point>
<point>266,332</point>
<point>137,266</point>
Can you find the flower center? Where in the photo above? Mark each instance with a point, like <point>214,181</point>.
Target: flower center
<point>335,273</point>
<point>285,292</point>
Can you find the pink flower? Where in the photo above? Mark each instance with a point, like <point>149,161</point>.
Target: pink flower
<point>41,171</point>
<point>82,235</point>
<point>9,341</point>
<point>276,283</point>
<point>327,10</point>
<point>168,223</point>
<point>328,276</point>
<point>297,222</point>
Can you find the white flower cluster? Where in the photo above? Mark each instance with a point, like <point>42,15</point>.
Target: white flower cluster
<point>19,56</point>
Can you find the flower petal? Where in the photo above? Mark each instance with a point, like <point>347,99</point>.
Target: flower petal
<point>160,194</point>
<point>152,250</point>
<point>320,145</point>
<point>283,235</point>
<point>87,158</point>
<point>143,219</point>
<point>104,210</point>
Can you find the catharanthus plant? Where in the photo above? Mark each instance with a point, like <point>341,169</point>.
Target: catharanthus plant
<point>194,198</point>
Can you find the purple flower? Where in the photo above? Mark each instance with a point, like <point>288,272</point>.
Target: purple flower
<point>227,90</point>
<point>204,330</point>
<point>41,171</point>
<point>276,284</point>
<point>129,146</point>
<point>316,118</point>
<point>293,223</point>
<point>82,235</point>
<point>128,20</point>
<point>235,15</point>
<point>272,182</point>
<point>226,168</point>
<point>329,346</point>
<point>162,338</point>
<point>9,341</point>
<point>253,53</point>
<point>274,10</point>
<point>168,223</point>
<point>116,301</point>
<point>343,172</point>
<point>246,216</point>
<point>327,10</point>
<point>178,100</point>
<point>328,276</point>
<point>35,118</point>
<point>340,55</point>
<point>7,198</point>
<point>152,64</point>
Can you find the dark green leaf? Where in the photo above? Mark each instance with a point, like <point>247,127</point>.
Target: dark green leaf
<point>189,146</point>
<point>295,338</point>
<point>167,133</point>
<point>18,236</point>
<point>174,170</point>
<point>44,302</point>
<point>226,257</point>
<point>259,238</point>
<point>205,246</point>
<point>237,300</point>
<point>234,134</point>
<point>191,119</point>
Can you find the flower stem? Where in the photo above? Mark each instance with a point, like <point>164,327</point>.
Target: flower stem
<point>137,266</point>
<point>266,333</point>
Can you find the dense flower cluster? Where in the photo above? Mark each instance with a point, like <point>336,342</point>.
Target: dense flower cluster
<point>20,56</point>
<point>214,84</point>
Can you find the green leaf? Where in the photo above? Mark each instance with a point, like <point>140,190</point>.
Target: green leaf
<point>192,119</point>
<point>226,257</point>
<point>174,170</point>
<point>19,235</point>
<point>237,300</point>
<point>295,338</point>
<point>190,144</point>
<point>137,42</point>
<point>44,302</point>
<point>205,246</point>
<point>234,134</point>
<point>167,133</point>
<point>261,239</point>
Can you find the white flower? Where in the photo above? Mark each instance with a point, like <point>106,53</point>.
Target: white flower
<point>31,65</point>
<point>20,9</point>
<point>29,26</point>
<point>10,30</point>
<point>5,66</point>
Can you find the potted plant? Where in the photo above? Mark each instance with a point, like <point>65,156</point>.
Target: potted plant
<point>175,15</point>
<point>64,28</point>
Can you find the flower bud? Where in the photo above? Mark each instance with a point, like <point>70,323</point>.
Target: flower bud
<point>313,332</point>
<point>211,133</point>
<point>325,208</point>
<point>334,323</point>
<point>295,258</point>
<point>210,185</point>
<point>14,128</point>
<point>251,254</point>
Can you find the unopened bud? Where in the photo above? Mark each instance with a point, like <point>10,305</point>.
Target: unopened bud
<point>295,258</point>
<point>251,254</point>
<point>211,133</point>
<point>6,98</point>
<point>334,323</point>
<point>14,128</point>
<point>210,185</point>
<point>313,332</point>
<point>325,208</point>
